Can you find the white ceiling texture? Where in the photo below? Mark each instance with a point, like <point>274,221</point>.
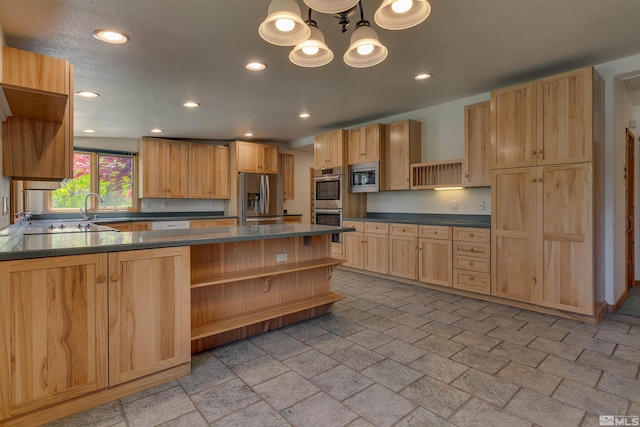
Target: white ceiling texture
<point>183,50</point>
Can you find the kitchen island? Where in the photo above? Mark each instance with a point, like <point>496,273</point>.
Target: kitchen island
<point>88,317</point>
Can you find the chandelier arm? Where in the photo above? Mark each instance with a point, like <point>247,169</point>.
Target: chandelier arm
<point>361,11</point>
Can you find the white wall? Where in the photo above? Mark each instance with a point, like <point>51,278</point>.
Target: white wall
<point>302,161</point>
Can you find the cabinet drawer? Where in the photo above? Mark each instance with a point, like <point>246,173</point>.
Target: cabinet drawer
<point>435,232</point>
<point>466,234</point>
<point>473,249</point>
<point>474,282</point>
<point>480,265</point>
<point>358,225</point>
<point>212,223</point>
<point>403,230</point>
<point>376,227</point>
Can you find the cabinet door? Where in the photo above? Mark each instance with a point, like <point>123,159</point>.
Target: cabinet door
<point>565,112</point>
<point>403,256</point>
<point>353,247</point>
<point>476,165</point>
<point>403,148</point>
<point>356,149</point>
<point>513,131</point>
<point>177,165</point>
<point>377,253</point>
<point>513,233</point>
<point>286,168</point>
<point>149,312</point>
<point>140,225</point>
<point>335,141</point>
<point>247,156</point>
<point>200,171</point>
<point>154,168</point>
<point>268,159</point>
<point>32,70</point>
<point>372,142</point>
<point>566,231</point>
<point>221,181</point>
<point>435,261</point>
<point>120,226</point>
<point>320,156</point>
<point>53,323</point>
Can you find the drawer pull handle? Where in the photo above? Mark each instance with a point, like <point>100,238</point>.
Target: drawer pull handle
<point>470,262</point>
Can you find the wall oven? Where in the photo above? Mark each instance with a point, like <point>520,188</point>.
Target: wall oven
<point>364,177</point>
<point>327,188</point>
<point>330,217</point>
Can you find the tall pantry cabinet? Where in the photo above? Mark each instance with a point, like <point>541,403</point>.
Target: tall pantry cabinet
<point>547,140</point>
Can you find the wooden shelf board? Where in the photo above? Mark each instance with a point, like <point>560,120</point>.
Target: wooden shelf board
<point>227,325</point>
<point>254,273</point>
<point>33,104</point>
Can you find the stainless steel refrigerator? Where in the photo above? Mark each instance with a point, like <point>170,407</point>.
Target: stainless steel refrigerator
<point>260,198</point>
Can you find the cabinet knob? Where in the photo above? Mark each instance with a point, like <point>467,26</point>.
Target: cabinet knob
<point>471,279</point>
<point>470,262</point>
<point>101,278</point>
<point>115,277</point>
<point>470,234</point>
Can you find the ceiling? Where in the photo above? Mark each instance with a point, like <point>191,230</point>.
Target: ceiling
<point>196,50</point>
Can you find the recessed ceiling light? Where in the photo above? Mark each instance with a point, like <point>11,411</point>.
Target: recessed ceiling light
<point>109,36</point>
<point>89,130</point>
<point>157,130</point>
<point>304,115</point>
<point>191,104</point>
<point>87,94</point>
<point>255,66</point>
<point>248,134</point>
<point>422,76</point>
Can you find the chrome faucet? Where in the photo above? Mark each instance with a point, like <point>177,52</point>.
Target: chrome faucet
<point>85,215</point>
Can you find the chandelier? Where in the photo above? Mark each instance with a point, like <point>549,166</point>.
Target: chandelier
<point>284,26</point>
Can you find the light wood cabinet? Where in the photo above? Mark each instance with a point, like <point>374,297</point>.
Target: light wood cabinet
<point>288,175</point>
<point>435,255</point>
<point>164,168</point>
<point>403,147</point>
<point>353,245</point>
<point>366,144</point>
<point>476,165</point>
<point>329,149</point>
<point>513,126</point>
<point>120,226</point>
<point>37,138</point>
<point>376,247</point>
<point>208,171</point>
<point>149,312</point>
<point>212,223</point>
<point>295,220</point>
<point>545,218</point>
<point>471,259</point>
<point>256,158</point>
<point>403,250</point>
<point>53,318</point>
<point>565,117</point>
<point>140,225</point>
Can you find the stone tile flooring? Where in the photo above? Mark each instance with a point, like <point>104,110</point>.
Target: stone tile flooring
<point>393,354</point>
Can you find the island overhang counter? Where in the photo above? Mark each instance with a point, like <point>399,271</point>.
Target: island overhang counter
<point>120,312</point>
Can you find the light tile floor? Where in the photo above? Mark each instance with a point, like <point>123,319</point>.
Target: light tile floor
<point>393,354</point>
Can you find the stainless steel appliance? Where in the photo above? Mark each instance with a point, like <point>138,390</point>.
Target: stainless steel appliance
<point>327,188</point>
<point>260,198</point>
<point>330,217</point>
<point>364,177</point>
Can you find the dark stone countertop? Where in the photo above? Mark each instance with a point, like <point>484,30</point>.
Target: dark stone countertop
<point>476,221</point>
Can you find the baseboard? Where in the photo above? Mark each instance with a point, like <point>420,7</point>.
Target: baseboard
<point>615,307</point>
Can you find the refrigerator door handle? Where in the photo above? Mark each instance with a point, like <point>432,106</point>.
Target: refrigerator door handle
<point>267,194</point>
<point>261,201</point>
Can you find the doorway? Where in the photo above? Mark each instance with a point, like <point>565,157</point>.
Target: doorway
<point>630,209</point>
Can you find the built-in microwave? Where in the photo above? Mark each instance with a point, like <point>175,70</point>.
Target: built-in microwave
<point>364,177</point>
<point>327,188</point>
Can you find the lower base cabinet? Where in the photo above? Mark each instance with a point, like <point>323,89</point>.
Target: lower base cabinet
<point>368,247</point>
<point>74,326</point>
<point>435,254</point>
<point>403,250</point>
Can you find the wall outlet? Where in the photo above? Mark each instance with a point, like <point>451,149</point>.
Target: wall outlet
<point>453,205</point>
<point>481,205</point>
<point>281,257</point>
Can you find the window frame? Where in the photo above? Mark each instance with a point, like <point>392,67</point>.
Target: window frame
<point>94,204</point>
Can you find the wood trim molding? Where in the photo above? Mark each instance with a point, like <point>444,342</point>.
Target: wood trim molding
<point>615,307</point>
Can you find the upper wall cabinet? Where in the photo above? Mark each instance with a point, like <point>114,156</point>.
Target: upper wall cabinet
<point>37,102</point>
<point>208,171</point>
<point>476,165</point>
<point>256,158</point>
<point>163,165</point>
<point>544,122</point>
<point>366,144</point>
<point>403,147</point>
<point>329,149</point>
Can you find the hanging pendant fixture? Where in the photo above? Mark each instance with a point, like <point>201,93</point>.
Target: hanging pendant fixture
<point>285,27</point>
